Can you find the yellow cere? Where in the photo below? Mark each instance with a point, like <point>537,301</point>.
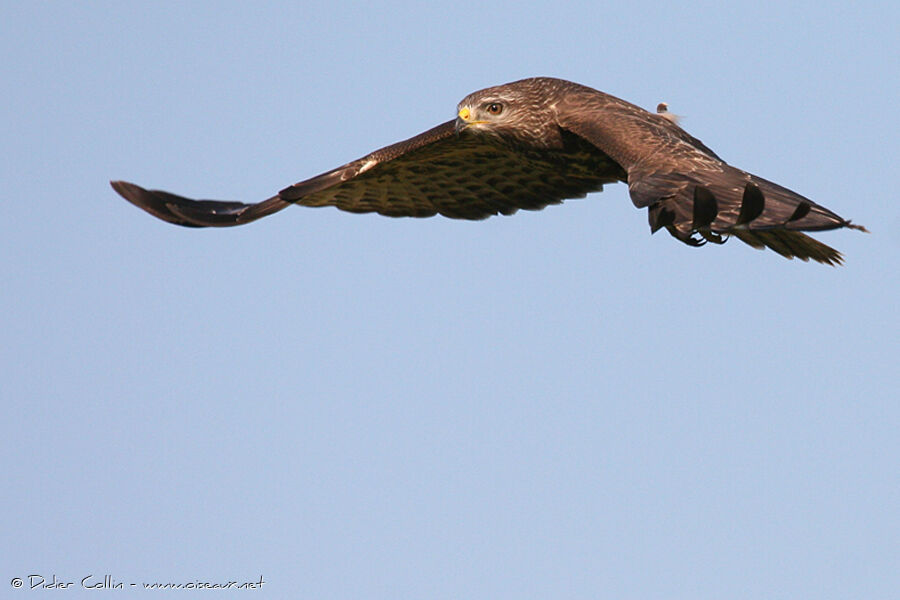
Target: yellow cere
<point>464,114</point>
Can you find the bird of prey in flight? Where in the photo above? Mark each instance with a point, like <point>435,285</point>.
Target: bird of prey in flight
<point>535,142</point>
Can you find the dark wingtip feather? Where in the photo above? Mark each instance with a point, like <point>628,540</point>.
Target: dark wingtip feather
<point>801,211</point>
<point>660,216</point>
<point>706,208</point>
<point>186,212</point>
<point>148,201</point>
<point>753,204</point>
<point>127,190</point>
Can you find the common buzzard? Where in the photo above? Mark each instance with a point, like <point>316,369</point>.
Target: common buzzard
<point>534,142</point>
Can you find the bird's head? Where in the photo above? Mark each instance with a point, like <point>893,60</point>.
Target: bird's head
<point>520,111</point>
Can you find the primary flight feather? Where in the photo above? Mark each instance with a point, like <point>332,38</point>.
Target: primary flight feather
<point>534,142</point>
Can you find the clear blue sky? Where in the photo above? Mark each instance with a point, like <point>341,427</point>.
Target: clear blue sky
<point>550,405</point>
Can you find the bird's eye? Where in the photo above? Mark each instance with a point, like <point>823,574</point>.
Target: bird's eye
<point>495,108</point>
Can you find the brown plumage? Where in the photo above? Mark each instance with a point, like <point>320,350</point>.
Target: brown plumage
<point>534,142</point>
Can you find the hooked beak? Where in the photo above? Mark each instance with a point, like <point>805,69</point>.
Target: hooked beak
<point>464,119</point>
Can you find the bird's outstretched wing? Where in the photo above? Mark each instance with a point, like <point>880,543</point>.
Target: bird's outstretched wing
<point>440,171</point>
<point>692,192</point>
<point>196,213</point>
